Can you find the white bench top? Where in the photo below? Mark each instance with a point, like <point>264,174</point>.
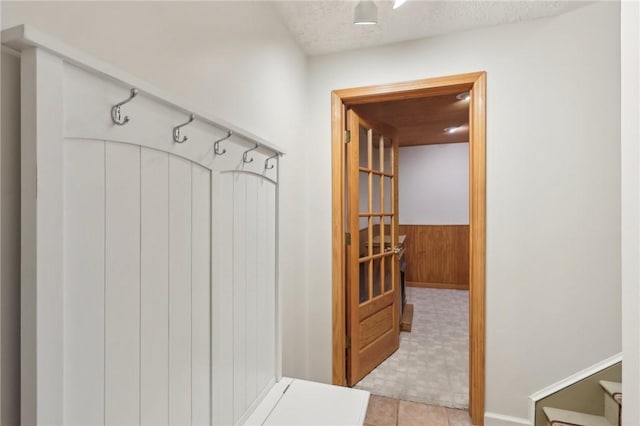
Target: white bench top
<point>303,403</point>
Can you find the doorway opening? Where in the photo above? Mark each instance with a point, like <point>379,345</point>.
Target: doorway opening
<point>343,326</point>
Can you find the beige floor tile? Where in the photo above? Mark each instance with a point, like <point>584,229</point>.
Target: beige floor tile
<point>431,365</point>
<point>458,417</point>
<point>382,411</point>
<point>415,414</point>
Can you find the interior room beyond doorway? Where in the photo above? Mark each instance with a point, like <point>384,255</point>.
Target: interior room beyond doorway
<point>431,365</point>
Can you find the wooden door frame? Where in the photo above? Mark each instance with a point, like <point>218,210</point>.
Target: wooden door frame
<point>475,83</point>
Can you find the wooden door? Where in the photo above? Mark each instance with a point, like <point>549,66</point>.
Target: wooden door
<point>373,293</point>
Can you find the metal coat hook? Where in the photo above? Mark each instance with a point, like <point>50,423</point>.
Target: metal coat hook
<point>244,155</point>
<point>176,130</point>
<point>116,116</point>
<point>267,166</point>
<point>216,148</point>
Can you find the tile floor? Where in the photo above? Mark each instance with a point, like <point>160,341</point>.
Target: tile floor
<point>432,364</point>
<point>393,412</point>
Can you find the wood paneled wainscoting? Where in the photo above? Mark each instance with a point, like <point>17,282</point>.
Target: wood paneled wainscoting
<point>437,256</point>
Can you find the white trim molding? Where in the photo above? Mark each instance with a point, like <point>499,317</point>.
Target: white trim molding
<point>574,378</point>
<point>630,155</point>
<point>495,419</point>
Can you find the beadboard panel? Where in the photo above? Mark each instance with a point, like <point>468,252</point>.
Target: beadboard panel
<point>437,255</point>
<point>84,316</point>
<point>122,284</point>
<point>154,287</point>
<point>180,285</point>
<point>200,295</point>
<point>244,269</point>
<point>137,241</point>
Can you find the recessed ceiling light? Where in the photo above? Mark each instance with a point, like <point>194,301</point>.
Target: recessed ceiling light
<point>452,129</point>
<point>398,3</point>
<point>464,96</point>
<point>365,13</point>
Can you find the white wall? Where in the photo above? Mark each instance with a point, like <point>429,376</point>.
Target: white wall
<point>233,59</point>
<point>553,190</point>
<point>434,184</point>
<point>630,40</point>
<point>10,240</point>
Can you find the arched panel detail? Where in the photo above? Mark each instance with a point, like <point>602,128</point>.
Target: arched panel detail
<point>89,98</point>
<point>137,252</point>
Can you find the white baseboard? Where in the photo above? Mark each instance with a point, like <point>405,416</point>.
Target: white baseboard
<point>574,378</point>
<point>494,419</point>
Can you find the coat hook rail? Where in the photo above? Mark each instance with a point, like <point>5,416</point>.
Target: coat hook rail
<point>244,155</point>
<point>119,118</point>
<point>116,115</point>
<point>216,144</point>
<point>176,130</point>
<point>268,166</point>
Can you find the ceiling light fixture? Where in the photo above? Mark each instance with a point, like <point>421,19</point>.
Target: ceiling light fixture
<point>464,96</point>
<point>365,13</point>
<point>452,129</point>
<point>398,3</point>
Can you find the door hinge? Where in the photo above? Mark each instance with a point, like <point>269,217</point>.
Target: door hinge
<point>347,343</point>
<point>347,136</point>
<point>347,238</point>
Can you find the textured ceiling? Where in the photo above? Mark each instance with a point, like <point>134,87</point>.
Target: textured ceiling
<point>326,26</point>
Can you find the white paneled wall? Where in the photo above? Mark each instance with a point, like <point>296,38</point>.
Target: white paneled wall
<point>179,292</point>
<point>244,253</point>
<point>152,299</point>
<point>137,304</point>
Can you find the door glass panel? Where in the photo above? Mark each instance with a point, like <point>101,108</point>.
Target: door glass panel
<point>388,231</point>
<point>375,151</point>
<point>364,221</point>
<point>363,141</point>
<point>377,247</point>
<point>365,280</point>
<point>364,192</point>
<point>385,236</point>
<point>375,193</point>
<point>388,156</point>
<point>364,226</point>
<point>388,276</point>
<point>377,277</point>
<point>387,188</point>
<point>365,236</point>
